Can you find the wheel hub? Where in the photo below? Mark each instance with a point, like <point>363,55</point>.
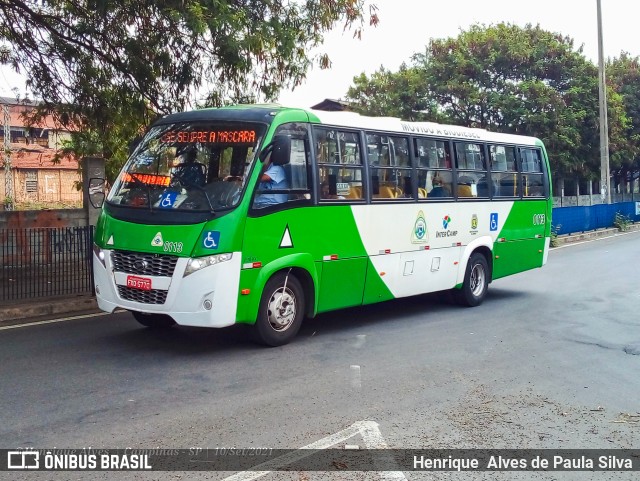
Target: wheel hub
<point>477,280</point>
<point>281,310</point>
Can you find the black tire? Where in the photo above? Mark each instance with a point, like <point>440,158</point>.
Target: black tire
<point>281,311</point>
<point>155,321</point>
<point>476,282</point>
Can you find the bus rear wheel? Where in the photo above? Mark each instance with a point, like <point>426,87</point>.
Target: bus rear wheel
<point>156,321</point>
<point>476,282</point>
<point>281,310</point>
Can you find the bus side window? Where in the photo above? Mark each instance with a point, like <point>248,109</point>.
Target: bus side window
<point>295,186</point>
<point>504,172</point>
<point>390,167</point>
<point>434,174</point>
<point>532,173</point>
<point>472,170</point>
<point>340,169</point>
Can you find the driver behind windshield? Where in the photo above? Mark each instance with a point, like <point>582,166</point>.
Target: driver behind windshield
<point>188,171</point>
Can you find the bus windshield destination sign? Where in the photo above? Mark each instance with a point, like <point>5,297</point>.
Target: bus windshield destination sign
<point>210,136</point>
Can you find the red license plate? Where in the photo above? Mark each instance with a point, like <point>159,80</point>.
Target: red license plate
<point>143,283</point>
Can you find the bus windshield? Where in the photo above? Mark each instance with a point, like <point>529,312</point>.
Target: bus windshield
<point>194,166</point>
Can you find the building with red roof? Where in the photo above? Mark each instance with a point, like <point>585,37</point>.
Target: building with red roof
<point>37,180</point>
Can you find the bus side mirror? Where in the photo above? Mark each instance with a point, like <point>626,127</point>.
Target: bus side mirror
<point>96,192</point>
<point>280,150</point>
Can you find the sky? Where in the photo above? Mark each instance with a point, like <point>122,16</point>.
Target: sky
<point>406,26</point>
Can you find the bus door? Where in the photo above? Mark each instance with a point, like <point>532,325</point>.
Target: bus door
<point>341,255</point>
<point>521,242</point>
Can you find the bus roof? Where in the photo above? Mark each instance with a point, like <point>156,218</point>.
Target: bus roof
<point>393,124</point>
<point>266,113</point>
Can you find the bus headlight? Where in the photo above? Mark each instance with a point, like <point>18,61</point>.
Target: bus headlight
<point>197,263</point>
<point>99,254</point>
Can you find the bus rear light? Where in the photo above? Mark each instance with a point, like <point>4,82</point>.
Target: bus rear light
<point>427,248</point>
<point>245,292</point>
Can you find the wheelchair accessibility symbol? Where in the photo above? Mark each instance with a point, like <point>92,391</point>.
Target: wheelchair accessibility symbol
<point>493,225</point>
<point>211,239</point>
<point>167,199</point>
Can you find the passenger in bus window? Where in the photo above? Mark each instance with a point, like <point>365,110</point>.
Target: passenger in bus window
<point>439,189</point>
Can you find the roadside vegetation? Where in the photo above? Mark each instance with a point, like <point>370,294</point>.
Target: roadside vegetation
<point>521,80</point>
<point>104,70</point>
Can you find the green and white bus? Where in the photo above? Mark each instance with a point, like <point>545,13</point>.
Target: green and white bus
<point>367,210</point>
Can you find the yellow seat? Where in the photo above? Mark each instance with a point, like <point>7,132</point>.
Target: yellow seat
<point>386,192</point>
<point>355,192</point>
<point>464,190</point>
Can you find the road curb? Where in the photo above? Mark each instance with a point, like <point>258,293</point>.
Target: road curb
<point>592,235</point>
<point>27,311</point>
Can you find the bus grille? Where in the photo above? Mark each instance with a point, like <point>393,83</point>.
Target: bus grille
<point>154,296</point>
<point>143,264</point>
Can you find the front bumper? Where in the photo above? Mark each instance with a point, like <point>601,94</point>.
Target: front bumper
<point>206,298</point>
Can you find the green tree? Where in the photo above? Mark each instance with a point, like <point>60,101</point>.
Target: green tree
<point>401,94</point>
<point>510,79</point>
<point>104,68</point>
<point>623,76</point>
<point>525,81</point>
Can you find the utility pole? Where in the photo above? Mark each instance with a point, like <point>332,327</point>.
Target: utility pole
<point>8,173</point>
<point>605,188</point>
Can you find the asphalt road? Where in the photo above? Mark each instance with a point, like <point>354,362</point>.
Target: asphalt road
<point>550,360</point>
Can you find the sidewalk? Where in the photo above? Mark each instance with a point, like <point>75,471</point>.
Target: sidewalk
<point>592,235</point>
<point>35,310</point>
<point>31,310</point>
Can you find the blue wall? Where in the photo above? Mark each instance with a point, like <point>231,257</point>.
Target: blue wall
<point>567,220</point>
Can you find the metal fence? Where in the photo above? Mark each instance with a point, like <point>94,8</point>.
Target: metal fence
<point>45,262</point>
<point>567,220</point>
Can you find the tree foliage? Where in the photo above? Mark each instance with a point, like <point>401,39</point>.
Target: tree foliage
<point>101,64</point>
<point>623,76</point>
<point>516,80</point>
<point>399,94</point>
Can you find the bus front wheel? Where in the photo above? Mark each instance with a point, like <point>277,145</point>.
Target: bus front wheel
<point>153,320</point>
<point>476,282</point>
<point>281,310</point>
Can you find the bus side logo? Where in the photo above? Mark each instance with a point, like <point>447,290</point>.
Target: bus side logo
<point>420,235</point>
<point>211,239</point>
